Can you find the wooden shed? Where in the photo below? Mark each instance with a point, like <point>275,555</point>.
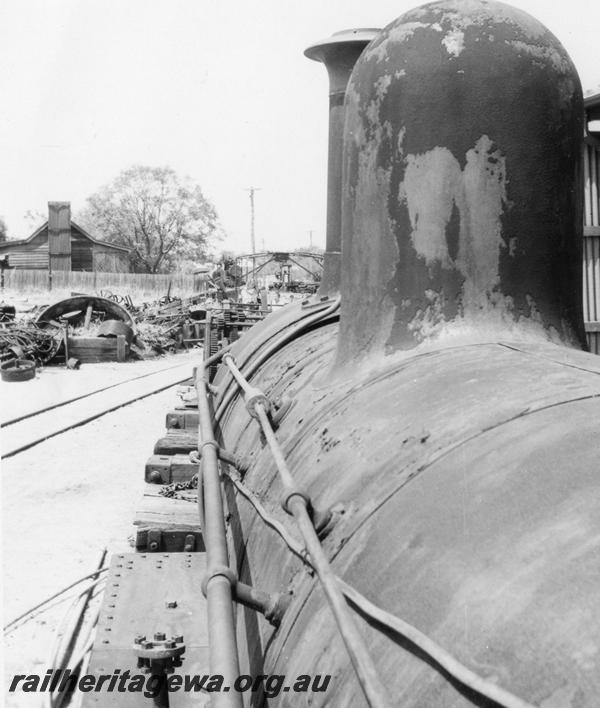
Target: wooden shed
<point>60,244</point>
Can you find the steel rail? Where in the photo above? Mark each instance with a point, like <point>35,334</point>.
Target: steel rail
<point>223,655</point>
<point>83,395</point>
<point>296,503</point>
<point>95,416</point>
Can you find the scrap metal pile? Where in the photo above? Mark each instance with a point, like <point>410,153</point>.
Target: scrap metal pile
<point>29,341</point>
<point>77,328</point>
<point>24,345</point>
<point>170,323</point>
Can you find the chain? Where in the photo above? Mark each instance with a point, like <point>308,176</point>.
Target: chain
<point>172,490</point>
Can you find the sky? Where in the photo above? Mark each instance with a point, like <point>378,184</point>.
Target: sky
<point>218,90</point>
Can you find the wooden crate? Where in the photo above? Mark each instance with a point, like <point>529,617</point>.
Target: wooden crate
<point>90,350</point>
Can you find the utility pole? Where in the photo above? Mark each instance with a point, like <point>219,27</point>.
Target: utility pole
<point>252,236</point>
<point>310,233</point>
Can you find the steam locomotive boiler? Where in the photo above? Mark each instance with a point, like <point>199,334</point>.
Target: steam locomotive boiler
<point>441,409</point>
<point>408,459</point>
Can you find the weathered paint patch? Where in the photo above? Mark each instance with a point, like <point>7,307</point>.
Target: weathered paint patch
<point>468,13</point>
<point>454,42</point>
<point>433,184</point>
<point>435,190</point>
<point>381,87</point>
<point>427,322</point>
<point>484,184</point>
<point>543,55</point>
<point>370,224</point>
<point>378,51</point>
<point>464,235</point>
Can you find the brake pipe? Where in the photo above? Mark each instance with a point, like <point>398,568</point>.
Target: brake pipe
<point>220,580</point>
<point>297,504</point>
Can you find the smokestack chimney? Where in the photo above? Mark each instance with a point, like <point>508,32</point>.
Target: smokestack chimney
<point>59,235</point>
<point>462,191</point>
<point>339,54</point>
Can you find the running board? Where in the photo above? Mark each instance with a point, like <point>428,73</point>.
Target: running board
<point>149,595</point>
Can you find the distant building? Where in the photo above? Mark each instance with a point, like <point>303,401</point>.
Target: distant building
<point>60,244</point>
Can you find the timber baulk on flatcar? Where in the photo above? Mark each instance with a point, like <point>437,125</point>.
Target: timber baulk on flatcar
<point>409,459</point>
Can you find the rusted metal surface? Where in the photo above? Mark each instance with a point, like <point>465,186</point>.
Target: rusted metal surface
<point>77,306</point>
<point>165,469</point>
<point>339,54</point>
<point>114,328</point>
<point>128,613</point>
<point>465,468</point>
<point>267,332</point>
<point>17,370</point>
<point>177,442</point>
<point>26,340</point>
<point>461,196</point>
<point>182,419</point>
<point>463,471</point>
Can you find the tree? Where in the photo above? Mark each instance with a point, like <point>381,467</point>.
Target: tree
<point>3,230</point>
<point>34,218</point>
<point>162,218</point>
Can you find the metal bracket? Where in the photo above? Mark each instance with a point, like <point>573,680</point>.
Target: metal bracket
<point>271,605</point>
<point>238,462</point>
<point>153,542</point>
<point>281,407</point>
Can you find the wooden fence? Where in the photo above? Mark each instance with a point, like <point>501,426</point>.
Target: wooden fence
<point>141,286</point>
<point>591,244</point>
<point>138,285</point>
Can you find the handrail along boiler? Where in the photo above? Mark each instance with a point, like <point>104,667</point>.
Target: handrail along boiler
<point>450,415</point>
<point>428,418</point>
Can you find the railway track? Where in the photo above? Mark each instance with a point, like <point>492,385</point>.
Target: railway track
<point>28,430</point>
